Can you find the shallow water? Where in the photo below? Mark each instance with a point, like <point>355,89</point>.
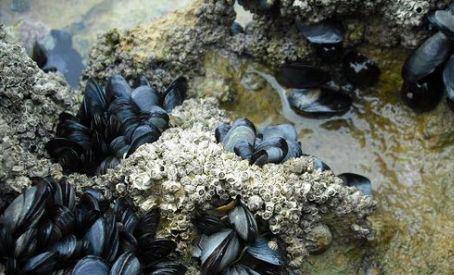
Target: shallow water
<point>408,157</point>
<point>84,19</point>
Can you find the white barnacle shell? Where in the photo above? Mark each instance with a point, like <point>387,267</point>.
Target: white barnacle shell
<point>171,186</point>
<point>255,203</point>
<point>141,181</point>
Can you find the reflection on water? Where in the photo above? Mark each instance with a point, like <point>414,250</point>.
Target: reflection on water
<point>33,20</point>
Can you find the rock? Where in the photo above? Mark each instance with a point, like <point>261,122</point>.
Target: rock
<point>30,102</point>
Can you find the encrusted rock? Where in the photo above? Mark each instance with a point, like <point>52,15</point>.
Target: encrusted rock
<point>30,102</point>
<point>193,170</point>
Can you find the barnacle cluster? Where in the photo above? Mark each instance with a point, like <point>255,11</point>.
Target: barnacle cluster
<point>112,123</point>
<point>48,229</point>
<point>292,197</point>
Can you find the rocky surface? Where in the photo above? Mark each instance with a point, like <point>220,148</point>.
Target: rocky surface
<point>177,44</point>
<point>30,102</point>
<point>186,169</point>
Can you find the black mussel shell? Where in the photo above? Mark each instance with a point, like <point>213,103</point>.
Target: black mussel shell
<point>119,147</point>
<point>242,130</point>
<point>167,268</point>
<point>142,135</point>
<point>48,234</point>
<point>158,117</point>
<point>262,251</point>
<point>272,150</point>
<point>42,263</point>
<point>207,224</point>
<point>94,103</point>
<point>322,33</point>
<point>243,149</point>
<point>39,55</point>
<point>424,95</point>
<point>320,165</point>
<point>110,162</point>
<point>92,265</point>
<point>450,103</point>
<point>294,150</point>
<point>175,94</point>
<point>258,5</point>
<point>240,269</point>
<point>117,87</point>
<point>218,251</point>
<point>126,215</point>
<point>26,210</point>
<point>69,247</point>
<point>319,102</point>
<point>153,250</point>
<point>426,59</point>
<point>66,152</point>
<point>362,183</point>
<point>244,222</point>
<point>448,78</point>
<point>7,242</point>
<point>443,20</point>
<point>148,223</point>
<point>63,218</point>
<point>126,264</point>
<point>124,110</point>
<point>301,76</point>
<point>128,241</point>
<point>360,70</point>
<point>329,53</point>
<point>236,28</point>
<point>221,131</point>
<point>26,244</point>
<point>102,238</point>
<point>145,98</point>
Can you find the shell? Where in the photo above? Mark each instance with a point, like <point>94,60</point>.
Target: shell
<point>426,58</point>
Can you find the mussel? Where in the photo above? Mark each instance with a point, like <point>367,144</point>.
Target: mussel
<point>443,20</point>
<point>427,58</point>
<point>362,183</point>
<point>448,80</point>
<point>112,123</point>
<point>360,70</point>
<point>275,144</point>
<point>326,36</point>
<point>218,251</point>
<point>236,247</point>
<point>301,76</point>
<point>44,231</point>
<point>322,102</point>
<point>423,95</point>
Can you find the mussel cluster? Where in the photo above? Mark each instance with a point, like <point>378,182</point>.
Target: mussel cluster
<point>311,92</point>
<point>48,229</point>
<point>112,123</point>
<point>429,70</point>
<point>274,144</point>
<point>233,242</point>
